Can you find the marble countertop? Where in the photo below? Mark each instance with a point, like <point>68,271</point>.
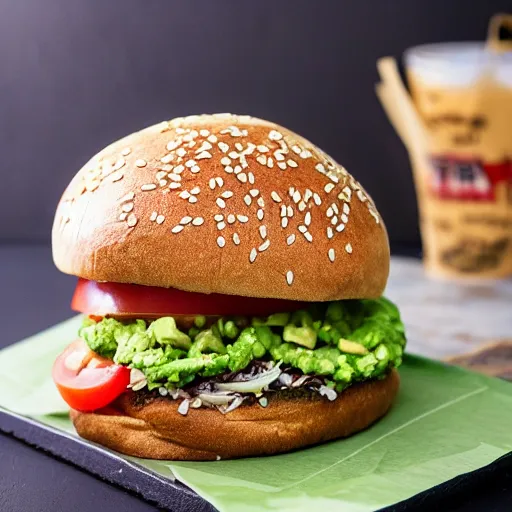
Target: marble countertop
<point>445,318</point>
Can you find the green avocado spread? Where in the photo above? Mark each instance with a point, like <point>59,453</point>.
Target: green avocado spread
<point>342,341</point>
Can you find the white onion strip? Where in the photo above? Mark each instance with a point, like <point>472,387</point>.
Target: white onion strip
<point>255,385</point>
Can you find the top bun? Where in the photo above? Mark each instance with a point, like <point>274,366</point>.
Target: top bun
<point>226,204</point>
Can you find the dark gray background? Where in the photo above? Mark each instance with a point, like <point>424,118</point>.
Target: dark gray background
<point>77,74</point>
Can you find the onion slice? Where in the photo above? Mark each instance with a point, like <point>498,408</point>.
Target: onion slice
<point>255,385</point>
<point>216,398</point>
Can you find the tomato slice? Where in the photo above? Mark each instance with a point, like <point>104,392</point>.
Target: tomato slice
<point>121,299</point>
<point>87,381</point>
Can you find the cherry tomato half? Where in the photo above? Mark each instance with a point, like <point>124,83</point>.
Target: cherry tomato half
<point>87,381</point>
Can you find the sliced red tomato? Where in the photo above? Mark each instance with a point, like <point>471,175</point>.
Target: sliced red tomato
<point>120,299</point>
<point>87,381</point>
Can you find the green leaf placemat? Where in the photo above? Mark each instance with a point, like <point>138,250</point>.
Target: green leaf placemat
<point>446,421</point>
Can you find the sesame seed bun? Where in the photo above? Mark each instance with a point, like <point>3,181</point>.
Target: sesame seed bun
<point>156,430</point>
<point>226,204</point>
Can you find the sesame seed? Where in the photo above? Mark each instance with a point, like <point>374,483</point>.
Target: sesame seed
<point>254,192</point>
<point>260,214</point>
<point>173,144</point>
<point>328,188</point>
<point>227,194</point>
<point>302,206</point>
<point>223,147</point>
<point>218,217</point>
<point>236,239</point>
<point>162,183</point>
<point>348,248</point>
<point>261,202</point>
<point>261,159</point>
<point>275,135</point>
<point>308,236</point>
<point>179,168</point>
<point>329,212</point>
<point>185,194</point>
<point>275,196</point>
<point>185,220</point>
<point>160,175</point>
<point>190,163</point>
<point>122,216</point>
<point>180,130</point>
<point>205,146</point>
<point>263,231</point>
<point>174,185</point>
<point>211,183</point>
<point>119,163</point>
<point>219,181</point>
<point>239,146</point>
<point>290,239</point>
<point>320,168</point>
<point>212,138</point>
<point>167,158</point>
<point>330,232</point>
<point>167,167</point>
<point>292,163</point>
<point>250,175</point>
<point>296,149</point>
<point>344,218</point>
<point>242,218</point>
<point>374,215</point>
<point>228,169</point>
<point>203,154</point>
<point>278,156</point>
<point>221,242</point>
<point>247,200</point>
<point>231,219</point>
<point>195,191</point>
<point>282,165</point>
<point>317,199</point>
<point>296,196</point>
<point>334,178</point>
<point>334,220</point>
<point>126,151</point>
<point>306,154</point>
<point>153,216</point>
<point>262,149</point>
<point>250,148</point>
<point>198,221</point>
<point>234,155</point>
<point>243,161</point>
<point>264,246</point>
<point>242,177</point>
<point>284,222</point>
<point>346,208</point>
<point>221,225</point>
<point>283,210</point>
<point>290,211</point>
<point>340,228</point>
<point>204,133</point>
<point>132,220</point>
<point>174,177</point>
<point>361,196</point>
<point>220,203</point>
<point>335,208</point>
<point>289,277</point>
<point>307,219</point>
<point>332,254</point>
<point>225,161</point>
<point>302,228</point>
<point>148,186</point>
<point>181,152</point>
<point>115,176</point>
<point>237,169</point>
<point>128,197</point>
<point>128,207</point>
<point>270,163</point>
<point>160,219</point>
<point>252,255</point>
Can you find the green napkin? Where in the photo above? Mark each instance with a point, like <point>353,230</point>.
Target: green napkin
<point>446,421</point>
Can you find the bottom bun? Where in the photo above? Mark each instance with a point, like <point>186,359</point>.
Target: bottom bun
<point>156,430</point>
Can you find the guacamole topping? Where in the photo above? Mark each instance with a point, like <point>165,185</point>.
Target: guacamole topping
<point>338,343</point>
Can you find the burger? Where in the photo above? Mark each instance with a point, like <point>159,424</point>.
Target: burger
<point>230,277</point>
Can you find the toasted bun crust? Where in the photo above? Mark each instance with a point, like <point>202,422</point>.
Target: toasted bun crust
<point>158,431</point>
<point>226,204</point>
